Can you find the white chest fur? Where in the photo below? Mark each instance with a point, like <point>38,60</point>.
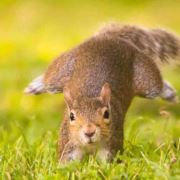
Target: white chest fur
<point>101,153</point>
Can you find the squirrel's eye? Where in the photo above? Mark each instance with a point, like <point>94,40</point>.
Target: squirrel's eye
<point>72,117</point>
<point>106,115</point>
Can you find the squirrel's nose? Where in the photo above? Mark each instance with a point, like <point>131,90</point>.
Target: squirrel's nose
<point>89,134</point>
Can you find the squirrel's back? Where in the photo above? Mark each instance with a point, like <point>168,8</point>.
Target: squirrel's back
<point>99,60</point>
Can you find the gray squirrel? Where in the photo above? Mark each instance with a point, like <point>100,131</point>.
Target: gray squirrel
<point>99,78</point>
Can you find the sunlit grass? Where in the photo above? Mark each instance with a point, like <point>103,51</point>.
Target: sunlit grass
<point>144,159</point>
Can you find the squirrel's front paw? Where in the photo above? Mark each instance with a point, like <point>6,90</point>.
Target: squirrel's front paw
<point>104,155</point>
<point>75,155</point>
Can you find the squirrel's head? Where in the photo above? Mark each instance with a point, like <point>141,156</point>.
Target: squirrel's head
<point>89,118</point>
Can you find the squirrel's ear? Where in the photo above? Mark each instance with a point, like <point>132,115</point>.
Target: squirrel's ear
<point>36,86</point>
<point>105,94</point>
<point>68,97</point>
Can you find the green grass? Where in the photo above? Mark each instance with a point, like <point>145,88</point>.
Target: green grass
<point>34,32</point>
<point>151,151</point>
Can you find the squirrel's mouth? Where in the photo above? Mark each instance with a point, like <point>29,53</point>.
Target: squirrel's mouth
<point>85,140</point>
<point>91,141</point>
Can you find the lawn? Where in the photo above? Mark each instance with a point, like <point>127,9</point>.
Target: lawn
<point>34,32</point>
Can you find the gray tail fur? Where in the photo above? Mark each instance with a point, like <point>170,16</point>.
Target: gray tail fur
<point>168,44</point>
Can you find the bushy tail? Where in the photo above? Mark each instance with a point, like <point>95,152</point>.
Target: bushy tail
<point>168,44</point>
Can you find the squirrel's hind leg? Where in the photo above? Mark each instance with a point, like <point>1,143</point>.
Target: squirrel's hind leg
<point>148,82</point>
<point>169,93</point>
<point>36,86</point>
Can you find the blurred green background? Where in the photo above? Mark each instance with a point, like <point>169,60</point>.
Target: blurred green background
<point>34,32</point>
